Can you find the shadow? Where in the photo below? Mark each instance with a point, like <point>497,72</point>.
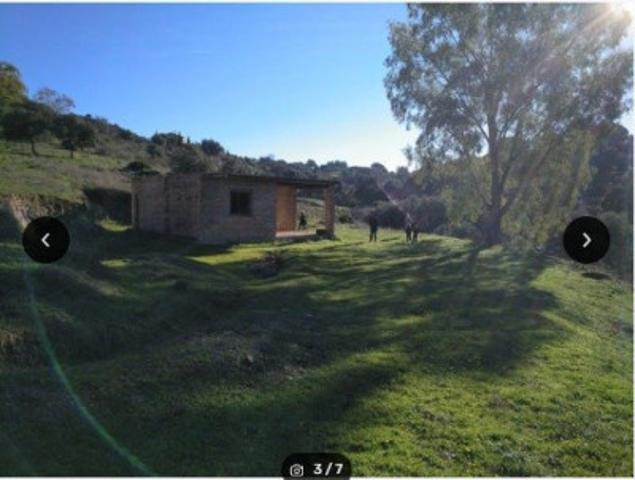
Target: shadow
<point>236,367</point>
<point>115,204</point>
<point>596,276</point>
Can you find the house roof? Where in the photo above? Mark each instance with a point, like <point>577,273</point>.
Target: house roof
<point>298,182</point>
<point>294,181</point>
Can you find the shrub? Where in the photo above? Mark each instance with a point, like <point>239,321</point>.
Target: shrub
<point>211,147</point>
<point>428,213</point>
<point>619,258</point>
<point>186,160</point>
<point>389,215</point>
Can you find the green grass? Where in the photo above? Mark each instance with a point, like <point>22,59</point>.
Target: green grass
<point>428,359</point>
<point>53,174</point>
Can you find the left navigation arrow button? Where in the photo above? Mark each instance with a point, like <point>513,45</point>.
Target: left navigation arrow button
<point>46,240</point>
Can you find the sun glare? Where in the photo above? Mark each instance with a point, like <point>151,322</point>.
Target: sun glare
<point>621,6</point>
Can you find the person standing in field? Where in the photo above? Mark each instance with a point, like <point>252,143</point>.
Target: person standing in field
<point>302,222</point>
<point>408,228</point>
<point>373,224</point>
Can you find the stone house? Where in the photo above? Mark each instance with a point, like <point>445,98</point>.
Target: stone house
<point>215,209</point>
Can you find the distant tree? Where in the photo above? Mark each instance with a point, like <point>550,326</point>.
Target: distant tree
<point>311,165</point>
<point>153,150</point>
<point>170,139</point>
<point>74,132</point>
<point>379,168</point>
<point>12,90</point>
<point>211,147</point>
<point>26,123</point>
<point>58,102</point>
<point>517,82</point>
<point>611,186</point>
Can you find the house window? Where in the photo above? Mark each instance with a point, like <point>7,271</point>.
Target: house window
<point>240,203</point>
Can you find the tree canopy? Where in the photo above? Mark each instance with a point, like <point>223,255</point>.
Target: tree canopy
<point>12,89</point>
<point>26,123</point>
<point>74,132</point>
<point>57,102</point>
<point>514,84</point>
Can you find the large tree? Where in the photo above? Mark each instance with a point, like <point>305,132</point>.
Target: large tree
<point>27,122</point>
<point>512,84</point>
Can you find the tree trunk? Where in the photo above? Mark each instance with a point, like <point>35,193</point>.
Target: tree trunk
<point>491,219</point>
<point>491,227</point>
<point>33,151</point>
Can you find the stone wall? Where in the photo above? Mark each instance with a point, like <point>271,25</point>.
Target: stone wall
<point>182,194</point>
<point>218,225</point>
<point>148,203</point>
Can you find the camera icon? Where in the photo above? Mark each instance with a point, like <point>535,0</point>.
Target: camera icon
<point>296,470</point>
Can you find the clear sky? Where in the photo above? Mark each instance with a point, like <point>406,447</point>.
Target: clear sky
<point>296,81</point>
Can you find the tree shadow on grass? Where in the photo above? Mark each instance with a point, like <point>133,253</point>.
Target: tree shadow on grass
<point>480,316</point>
<point>333,329</point>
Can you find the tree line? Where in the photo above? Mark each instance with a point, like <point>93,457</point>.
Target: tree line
<point>29,119</point>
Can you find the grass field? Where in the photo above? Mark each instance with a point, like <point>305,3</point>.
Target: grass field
<point>438,358</point>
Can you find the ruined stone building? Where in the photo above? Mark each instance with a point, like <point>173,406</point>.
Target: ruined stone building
<point>215,208</point>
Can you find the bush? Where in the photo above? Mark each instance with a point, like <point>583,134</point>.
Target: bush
<point>186,160</point>
<point>428,213</point>
<point>135,167</point>
<point>153,150</point>
<point>167,139</point>
<point>389,215</point>
<point>619,258</point>
<point>211,147</point>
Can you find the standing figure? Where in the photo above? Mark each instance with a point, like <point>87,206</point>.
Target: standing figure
<point>415,232</point>
<point>302,222</point>
<point>374,226</point>
<point>408,228</point>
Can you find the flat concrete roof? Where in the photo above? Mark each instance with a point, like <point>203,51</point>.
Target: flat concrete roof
<point>294,181</point>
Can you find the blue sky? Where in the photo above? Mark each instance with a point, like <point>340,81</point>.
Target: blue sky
<point>296,81</point>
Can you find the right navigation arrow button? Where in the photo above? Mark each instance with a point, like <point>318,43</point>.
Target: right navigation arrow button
<point>586,239</point>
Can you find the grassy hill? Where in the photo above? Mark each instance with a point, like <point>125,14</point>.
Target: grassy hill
<point>139,353</point>
<point>54,175</point>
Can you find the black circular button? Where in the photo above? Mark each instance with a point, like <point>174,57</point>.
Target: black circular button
<point>586,239</point>
<point>46,240</point>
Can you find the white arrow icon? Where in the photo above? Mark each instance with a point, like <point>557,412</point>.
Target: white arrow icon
<point>44,240</point>
<point>587,240</point>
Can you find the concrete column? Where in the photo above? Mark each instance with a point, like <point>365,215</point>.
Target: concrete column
<point>134,202</point>
<point>329,210</point>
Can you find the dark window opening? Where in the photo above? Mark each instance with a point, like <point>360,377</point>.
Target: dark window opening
<point>240,203</point>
